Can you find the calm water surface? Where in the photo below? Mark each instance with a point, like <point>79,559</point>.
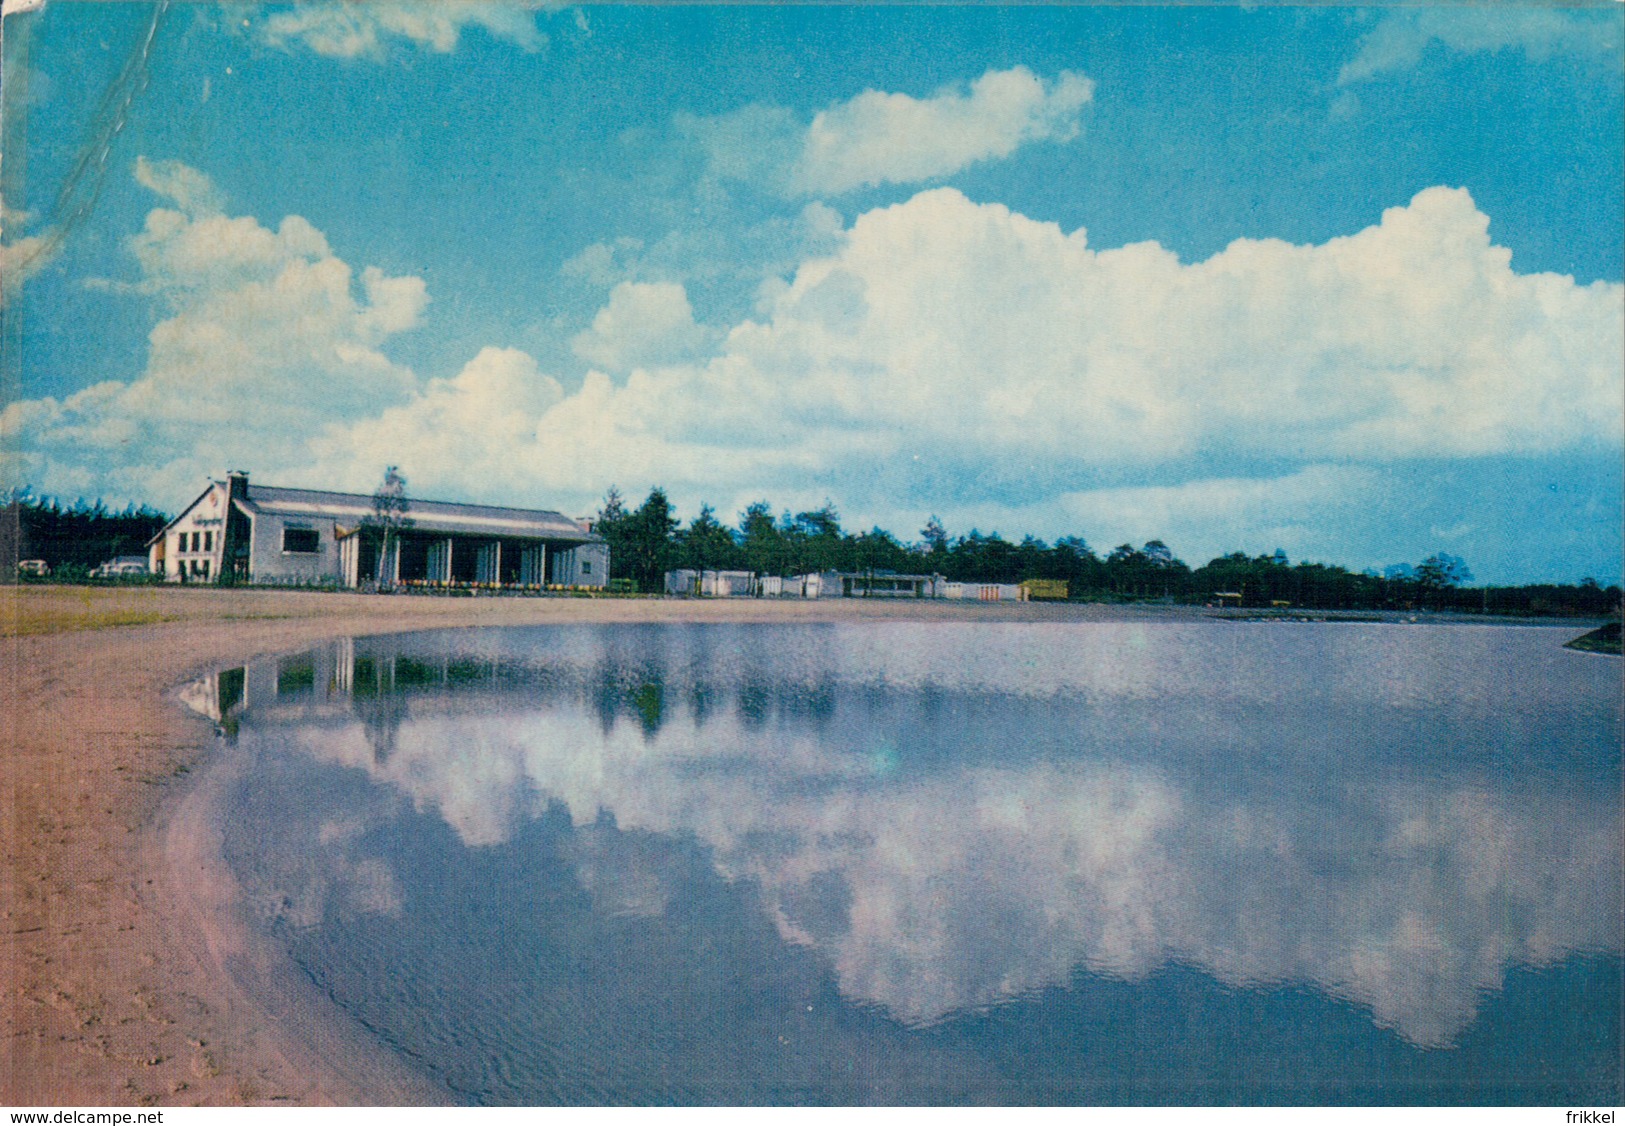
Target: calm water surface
<point>1108,862</point>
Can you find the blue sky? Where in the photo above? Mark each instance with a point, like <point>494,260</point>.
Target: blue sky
<point>1345,282</point>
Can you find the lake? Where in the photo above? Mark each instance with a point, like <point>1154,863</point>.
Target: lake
<point>1163,861</point>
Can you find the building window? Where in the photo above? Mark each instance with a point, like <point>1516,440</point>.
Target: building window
<point>304,541</point>
<point>586,567</point>
<point>208,541</point>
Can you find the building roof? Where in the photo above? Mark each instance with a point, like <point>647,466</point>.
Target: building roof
<point>159,534</point>
<point>425,515</point>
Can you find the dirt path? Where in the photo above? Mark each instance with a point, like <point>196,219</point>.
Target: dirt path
<point>111,994</point>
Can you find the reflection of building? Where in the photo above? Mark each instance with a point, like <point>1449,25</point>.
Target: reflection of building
<point>219,696</point>
<point>273,535</point>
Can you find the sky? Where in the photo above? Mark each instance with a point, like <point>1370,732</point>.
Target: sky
<point>1344,282</point>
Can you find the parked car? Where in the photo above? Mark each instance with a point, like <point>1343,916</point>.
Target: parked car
<point>36,567</point>
<point>123,566</point>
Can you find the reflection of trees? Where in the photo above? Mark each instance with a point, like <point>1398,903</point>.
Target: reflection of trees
<point>648,701</point>
<point>296,676</point>
<point>381,718</point>
<point>635,692</point>
<point>382,683</point>
<point>635,680</point>
<point>753,705</point>
<point>377,686</point>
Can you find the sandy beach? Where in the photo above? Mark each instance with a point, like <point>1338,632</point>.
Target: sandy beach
<point>116,986</point>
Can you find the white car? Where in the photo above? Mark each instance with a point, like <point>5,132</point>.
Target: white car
<point>121,568</point>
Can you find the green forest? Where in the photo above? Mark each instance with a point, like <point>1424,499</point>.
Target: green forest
<point>649,540</point>
<point>74,539</point>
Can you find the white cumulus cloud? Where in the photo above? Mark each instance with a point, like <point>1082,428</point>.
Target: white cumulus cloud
<point>1009,355</point>
<point>348,29</point>
<point>941,355</point>
<point>880,138</point>
<point>1400,37</point>
<point>267,338</point>
<point>890,138</point>
<point>481,421</point>
<point>951,325</point>
<point>643,324</point>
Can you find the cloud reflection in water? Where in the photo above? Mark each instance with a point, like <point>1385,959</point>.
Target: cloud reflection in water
<point>955,819</point>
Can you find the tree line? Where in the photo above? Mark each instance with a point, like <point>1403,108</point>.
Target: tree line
<point>650,540</point>
<point>647,541</point>
<point>77,537</point>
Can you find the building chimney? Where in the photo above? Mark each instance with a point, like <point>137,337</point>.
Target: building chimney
<point>236,485</point>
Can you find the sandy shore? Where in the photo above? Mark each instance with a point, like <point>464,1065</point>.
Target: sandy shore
<point>115,986</point>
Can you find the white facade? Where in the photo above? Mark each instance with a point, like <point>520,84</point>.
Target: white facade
<point>778,586</point>
<point>984,592</point>
<point>190,548</point>
<point>728,584</point>
<point>688,583</point>
<point>585,564</point>
<point>825,584</point>
<point>287,548</point>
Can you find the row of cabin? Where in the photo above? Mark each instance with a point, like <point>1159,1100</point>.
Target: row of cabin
<point>264,534</point>
<point>839,584</point>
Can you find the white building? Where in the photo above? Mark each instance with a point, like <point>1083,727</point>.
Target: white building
<point>262,534</point>
<point>867,584</point>
<point>711,584</point>
<point>983,592</point>
<point>728,584</point>
<point>777,586</point>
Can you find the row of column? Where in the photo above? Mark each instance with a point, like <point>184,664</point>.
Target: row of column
<point>488,562</point>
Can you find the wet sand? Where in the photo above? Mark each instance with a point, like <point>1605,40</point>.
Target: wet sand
<point>128,979</point>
